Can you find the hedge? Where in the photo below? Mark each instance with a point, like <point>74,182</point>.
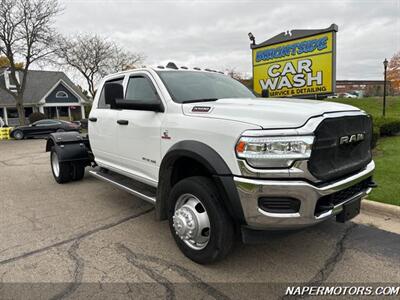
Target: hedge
<point>36,116</point>
<point>387,126</point>
<point>376,134</point>
<point>384,127</point>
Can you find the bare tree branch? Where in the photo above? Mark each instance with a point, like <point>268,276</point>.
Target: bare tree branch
<point>94,57</point>
<point>26,34</point>
<point>231,71</point>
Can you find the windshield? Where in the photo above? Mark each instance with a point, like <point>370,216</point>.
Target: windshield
<point>192,86</point>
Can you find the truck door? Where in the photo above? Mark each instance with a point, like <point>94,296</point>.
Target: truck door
<point>139,135</point>
<point>103,131</point>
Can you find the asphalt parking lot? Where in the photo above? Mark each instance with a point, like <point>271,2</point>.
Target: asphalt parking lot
<point>89,240</point>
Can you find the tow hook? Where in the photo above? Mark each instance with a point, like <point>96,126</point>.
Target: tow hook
<point>372,184</point>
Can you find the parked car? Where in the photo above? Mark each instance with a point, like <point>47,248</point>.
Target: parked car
<point>43,128</point>
<point>348,95</point>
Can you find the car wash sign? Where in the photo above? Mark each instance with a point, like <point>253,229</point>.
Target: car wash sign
<point>300,63</point>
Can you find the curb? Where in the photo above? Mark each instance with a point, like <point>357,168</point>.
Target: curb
<point>377,207</point>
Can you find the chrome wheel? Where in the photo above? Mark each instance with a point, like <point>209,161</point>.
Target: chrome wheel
<point>55,164</point>
<point>191,222</point>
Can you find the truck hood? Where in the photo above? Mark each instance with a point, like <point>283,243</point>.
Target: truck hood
<point>267,113</point>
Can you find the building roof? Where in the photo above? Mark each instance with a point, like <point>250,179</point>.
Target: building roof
<point>295,34</point>
<point>360,82</point>
<point>39,83</point>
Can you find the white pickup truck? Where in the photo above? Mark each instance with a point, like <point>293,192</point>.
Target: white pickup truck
<point>217,161</point>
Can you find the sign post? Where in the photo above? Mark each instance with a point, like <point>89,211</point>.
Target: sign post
<point>299,63</point>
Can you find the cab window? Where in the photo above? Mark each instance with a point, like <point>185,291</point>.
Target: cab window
<point>102,100</point>
<point>140,88</point>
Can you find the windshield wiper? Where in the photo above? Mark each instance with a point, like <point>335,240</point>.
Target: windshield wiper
<point>201,100</point>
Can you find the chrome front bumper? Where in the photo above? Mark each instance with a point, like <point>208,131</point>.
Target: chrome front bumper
<point>250,190</point>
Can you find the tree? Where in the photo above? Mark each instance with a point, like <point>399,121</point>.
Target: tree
<point>393,72</point>
<point>5,63</point>
<point>36,116</point>
<point>94,57</point>
<point>26,34</point>
<point>248,82</point>
<point>234,74</point>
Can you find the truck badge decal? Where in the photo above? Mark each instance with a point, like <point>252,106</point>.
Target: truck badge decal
<point>149,160</point>
<point>165,135</point>
<point>202,109</point>
<point>349,139</point>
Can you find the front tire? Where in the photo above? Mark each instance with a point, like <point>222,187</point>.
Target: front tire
<point>198,221</point>
<point>61,170</point>
<point>18,135</point>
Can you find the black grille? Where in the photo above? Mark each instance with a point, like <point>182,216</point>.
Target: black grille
<point>328,202</point>
<point>330,160</point>
<point>279,205</point>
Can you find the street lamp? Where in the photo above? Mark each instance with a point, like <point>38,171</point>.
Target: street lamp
<point>385,64</point>
<point>252,38</point>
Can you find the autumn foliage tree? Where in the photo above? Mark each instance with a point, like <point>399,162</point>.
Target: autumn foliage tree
<point>393,73</point>
<point>5,63</point>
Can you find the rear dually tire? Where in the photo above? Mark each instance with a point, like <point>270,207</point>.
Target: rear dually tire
<point>78,171</point>
<point>62,171</point>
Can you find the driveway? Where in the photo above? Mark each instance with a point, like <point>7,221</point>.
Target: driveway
<point>87,239</point>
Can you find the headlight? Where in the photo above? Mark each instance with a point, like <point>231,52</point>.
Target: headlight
<point>274,152</point>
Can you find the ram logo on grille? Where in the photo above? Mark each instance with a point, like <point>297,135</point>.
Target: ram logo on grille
<point>354,138</point>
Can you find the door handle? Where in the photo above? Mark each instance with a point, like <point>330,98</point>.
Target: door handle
<point>93,119</point>
<point>122,122</point>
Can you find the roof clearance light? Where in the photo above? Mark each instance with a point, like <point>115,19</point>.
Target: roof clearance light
<point>171,65</point>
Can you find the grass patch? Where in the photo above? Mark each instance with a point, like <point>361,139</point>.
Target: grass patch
<point>387,173</point>
<point>373,105</point>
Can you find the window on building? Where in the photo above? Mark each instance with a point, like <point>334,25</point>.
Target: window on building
<point>28,111</point>
<point>61,94</point>
<point>50,112</point>
<point>12,113</point>
<point>63,111</point>
<point>76,113</point>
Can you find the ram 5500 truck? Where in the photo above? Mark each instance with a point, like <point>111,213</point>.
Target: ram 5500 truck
<point>217,161</point>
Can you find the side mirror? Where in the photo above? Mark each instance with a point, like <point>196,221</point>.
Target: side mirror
<point>112,92</point>
<point>265,93</point>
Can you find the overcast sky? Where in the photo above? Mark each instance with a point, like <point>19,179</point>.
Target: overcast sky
<point>213,34</point>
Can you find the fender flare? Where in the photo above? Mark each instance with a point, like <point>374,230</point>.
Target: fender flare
<point>215,165</point>
<point>70,146</point>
